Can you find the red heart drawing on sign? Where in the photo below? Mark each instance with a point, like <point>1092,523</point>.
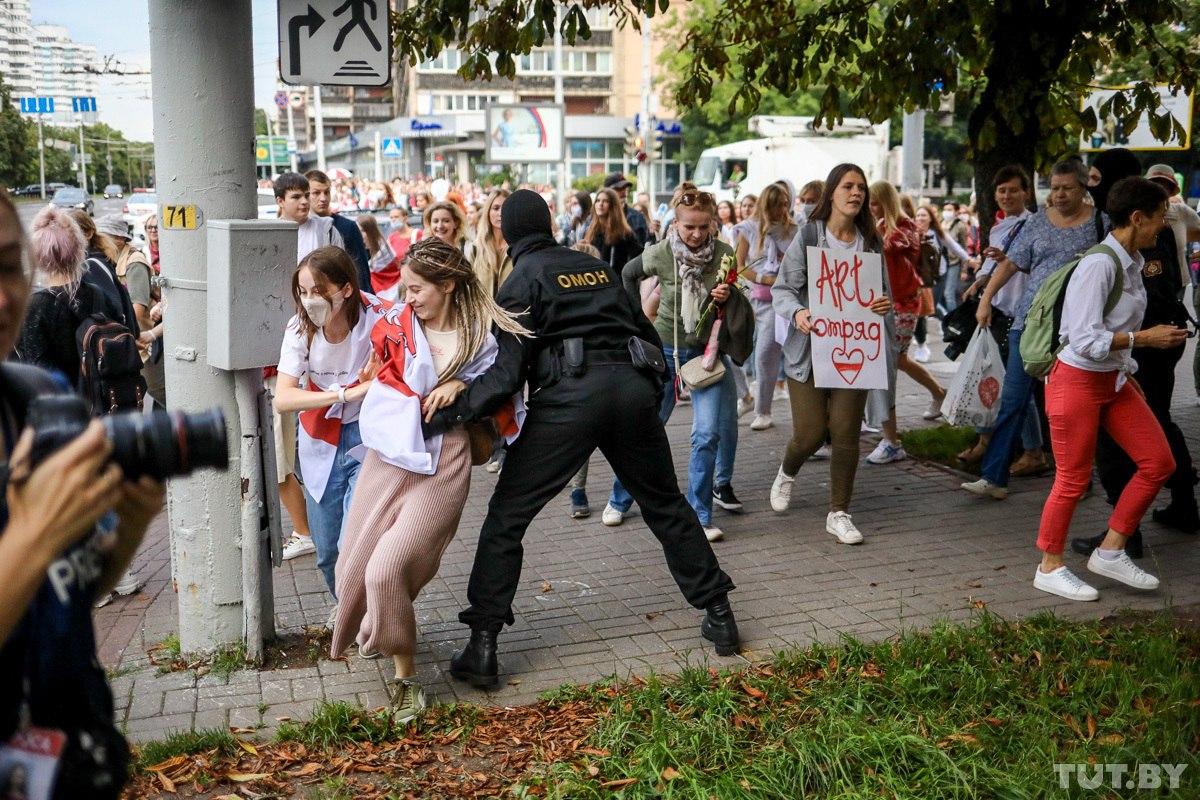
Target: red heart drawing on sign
<point>848,363</point>
<point>989,391</point>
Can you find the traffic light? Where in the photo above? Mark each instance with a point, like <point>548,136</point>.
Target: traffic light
<point>634,145</point>
<point>656,141</point>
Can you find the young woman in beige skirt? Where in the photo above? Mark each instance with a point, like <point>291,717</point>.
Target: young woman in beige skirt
<point>411,490</point>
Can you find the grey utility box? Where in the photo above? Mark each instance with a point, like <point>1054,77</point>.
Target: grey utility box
<point>250,266</point>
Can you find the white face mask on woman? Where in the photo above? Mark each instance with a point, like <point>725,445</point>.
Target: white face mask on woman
<point>807,209</point>
<point>948,216</point>
<point>318,309</point>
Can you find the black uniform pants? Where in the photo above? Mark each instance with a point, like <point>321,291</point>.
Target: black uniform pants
<point>613,408</point>
<point>1156,376</point>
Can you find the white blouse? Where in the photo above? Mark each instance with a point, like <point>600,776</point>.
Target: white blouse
<point>1086,330</point>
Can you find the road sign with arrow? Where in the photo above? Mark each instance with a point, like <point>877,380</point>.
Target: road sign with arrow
<point>335,42</point>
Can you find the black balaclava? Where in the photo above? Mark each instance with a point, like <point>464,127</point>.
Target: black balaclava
<point>523,215</point>
<point>1113,165</point>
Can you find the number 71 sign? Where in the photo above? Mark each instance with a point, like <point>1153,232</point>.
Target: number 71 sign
<point>182,218</point>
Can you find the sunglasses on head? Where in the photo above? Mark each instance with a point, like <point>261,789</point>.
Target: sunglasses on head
<point>694,198</point>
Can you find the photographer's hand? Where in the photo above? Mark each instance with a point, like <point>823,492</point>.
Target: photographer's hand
<point>48,510</point>
<point>139,504</point>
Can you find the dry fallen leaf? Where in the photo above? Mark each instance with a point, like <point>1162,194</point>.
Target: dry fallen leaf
<point>593,770</point>
<point>750,690</point>
<point>618,784</point>
<point>307,769</point>
<point>167,784</point>
<point>1111,738</point>
<point>546,587</point>
<point>247,777</point>
<point>249,748</point>
<point>670,774</point>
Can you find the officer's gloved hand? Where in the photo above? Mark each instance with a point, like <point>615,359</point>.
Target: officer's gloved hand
<point>441,422</point>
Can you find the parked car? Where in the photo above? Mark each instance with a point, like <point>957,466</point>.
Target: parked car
<point>70,197</point>
<point>139,206</point>
<point>267,207</point>
<point>113,190</point>
<point>51,188</point>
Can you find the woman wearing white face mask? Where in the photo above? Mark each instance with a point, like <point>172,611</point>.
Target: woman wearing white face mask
<point>328,346</point>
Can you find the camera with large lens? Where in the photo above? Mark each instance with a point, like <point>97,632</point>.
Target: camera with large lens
<point>161,444</point>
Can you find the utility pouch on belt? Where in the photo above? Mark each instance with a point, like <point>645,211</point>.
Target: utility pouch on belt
<point>646,356</point>
<point>574,362</point>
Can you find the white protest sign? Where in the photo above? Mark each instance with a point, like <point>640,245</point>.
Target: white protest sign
<point>848,338</point>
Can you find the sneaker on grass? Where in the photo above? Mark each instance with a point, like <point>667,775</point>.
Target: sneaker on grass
<point>408,699</point>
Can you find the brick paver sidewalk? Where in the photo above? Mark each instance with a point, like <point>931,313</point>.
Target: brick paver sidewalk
<point>594,601</point>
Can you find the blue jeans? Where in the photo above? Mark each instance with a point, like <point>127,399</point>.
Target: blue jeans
<point>327,518</point>
<point>1031,431</point>
<point>714,438</point>
<point>951,288</point>
<point>1014,402</point>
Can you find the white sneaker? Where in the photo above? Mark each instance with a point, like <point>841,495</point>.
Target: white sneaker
<point>297,546</point>
<point>370,655</point>
<point>745,406</point>
<point>840,525</point>
<point>713,533</point>
<point>781,392</point>
<point>1122,569</point>
<point>921,354</point>
<point>985,488</point>
<point>886,452</point>
<point>1064,583</point>
<point>128,584</point>
<point>865,428</point>
<point>612,517</point>
<point>823,453</point>
<point>761,422</point>
<point>781,491</point>
<point>934,411</point>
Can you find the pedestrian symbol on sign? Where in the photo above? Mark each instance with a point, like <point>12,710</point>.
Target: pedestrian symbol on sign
<point>358,19</point>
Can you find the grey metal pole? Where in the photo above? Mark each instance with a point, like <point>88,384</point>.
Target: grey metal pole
<point>41,156</point>
<point>203,126</point>
<point>560,200</point>
<point>320,132</point>
<point>912,177</point>
<point>82,158</point>
<point>294,156</point>
<point>645,129</point>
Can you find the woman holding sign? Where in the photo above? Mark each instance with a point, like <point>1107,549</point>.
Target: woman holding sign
<point>841,223</point>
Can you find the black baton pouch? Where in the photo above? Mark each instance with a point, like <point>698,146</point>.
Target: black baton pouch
<point>573,364</point>
<point>646,356</point>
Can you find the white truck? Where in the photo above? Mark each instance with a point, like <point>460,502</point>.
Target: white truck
<point>792,148</point>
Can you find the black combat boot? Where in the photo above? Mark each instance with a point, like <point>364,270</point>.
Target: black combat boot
<point>1084,545</point>
<point>1179,517</point>
<point>720,628</point>
<point>476,663</point>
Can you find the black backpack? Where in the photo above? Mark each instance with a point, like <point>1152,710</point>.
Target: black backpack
<point>110,365</point>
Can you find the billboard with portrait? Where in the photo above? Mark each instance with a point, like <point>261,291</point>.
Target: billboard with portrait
<point>524,133</point>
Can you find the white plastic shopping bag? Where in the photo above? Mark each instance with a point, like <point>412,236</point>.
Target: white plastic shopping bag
<point>974,396</point>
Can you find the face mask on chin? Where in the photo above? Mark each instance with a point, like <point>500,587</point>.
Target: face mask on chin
<point>807,209</point>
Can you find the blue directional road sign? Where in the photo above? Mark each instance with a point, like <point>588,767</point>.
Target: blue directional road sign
<point>392,147</point>
<point>37,105</point>
<point>82,105</point>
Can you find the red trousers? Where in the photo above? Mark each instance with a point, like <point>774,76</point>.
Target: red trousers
<point>1078,404</point>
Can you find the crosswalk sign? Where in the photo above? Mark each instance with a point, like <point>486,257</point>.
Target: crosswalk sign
<point>392,147</point>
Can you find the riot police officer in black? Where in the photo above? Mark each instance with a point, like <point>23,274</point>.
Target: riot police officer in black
<point>595,373</point>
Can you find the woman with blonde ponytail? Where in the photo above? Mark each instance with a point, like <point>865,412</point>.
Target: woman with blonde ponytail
<point>411,490</point>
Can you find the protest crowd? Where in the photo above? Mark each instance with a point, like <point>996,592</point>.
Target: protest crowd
<point>441,327</point>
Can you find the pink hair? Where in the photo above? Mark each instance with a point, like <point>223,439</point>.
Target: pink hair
<point>57,244</point>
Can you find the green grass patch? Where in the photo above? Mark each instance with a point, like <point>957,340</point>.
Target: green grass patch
<point>185,743</point>
<point>977,711</point>
<point>940,445</point>
<point>337,723</point>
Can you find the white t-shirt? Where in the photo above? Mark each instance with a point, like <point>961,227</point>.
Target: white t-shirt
<point>443,346</point>
<point>316,232</point>
<point>324,364</point>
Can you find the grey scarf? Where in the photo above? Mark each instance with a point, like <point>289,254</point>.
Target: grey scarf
<point>691,264</point>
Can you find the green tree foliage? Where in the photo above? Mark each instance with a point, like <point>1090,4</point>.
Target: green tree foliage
<point>12,138</point>
<point>1022,64</point>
